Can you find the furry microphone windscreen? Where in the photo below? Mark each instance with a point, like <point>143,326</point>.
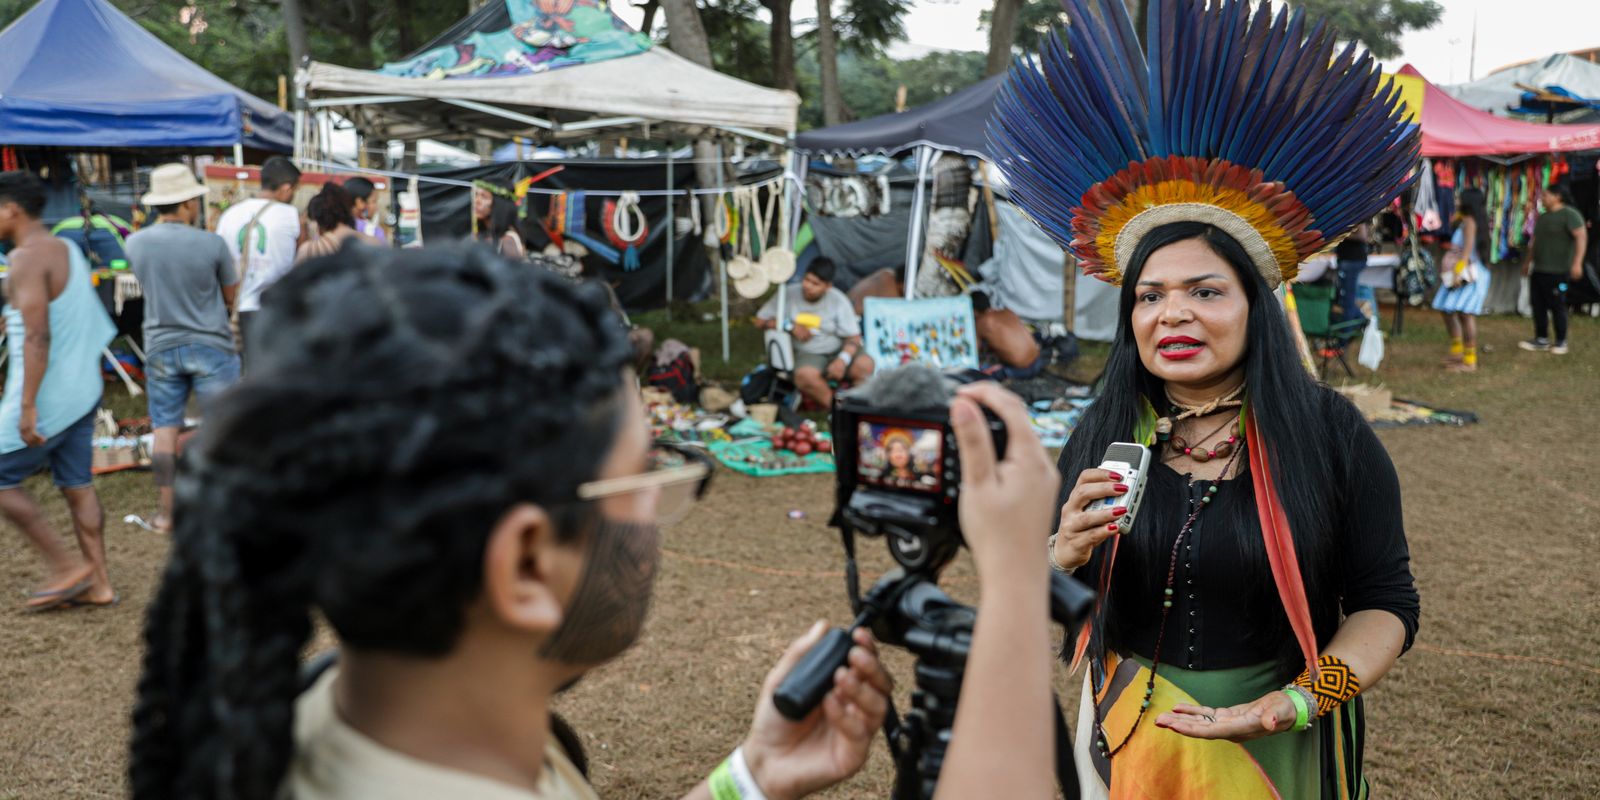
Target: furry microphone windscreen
<point>911,387</point>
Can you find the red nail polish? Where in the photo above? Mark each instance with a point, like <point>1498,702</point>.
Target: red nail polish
<point>1121,488</point>
<point>1116,476</point>
<point>1119,511</point>
<point>1112,527</point>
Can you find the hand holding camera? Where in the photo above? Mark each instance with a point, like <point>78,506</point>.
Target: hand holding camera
<point>793,758</point>
<point>1005,503</point>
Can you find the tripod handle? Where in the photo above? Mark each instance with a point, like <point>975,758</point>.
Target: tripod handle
<point>811,679</point>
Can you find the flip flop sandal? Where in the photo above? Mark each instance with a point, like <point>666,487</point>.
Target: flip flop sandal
<point>79,602</point>
<point>58,597</point>
<point>141,522</point>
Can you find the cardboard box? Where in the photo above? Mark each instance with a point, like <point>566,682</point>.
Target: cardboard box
<point>114,458</point>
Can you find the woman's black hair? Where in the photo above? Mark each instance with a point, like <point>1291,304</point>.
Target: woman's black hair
<point>399,403</point>
<point>502,218</point>
<point>332,207</point>
<point>1472,203</point>
<point>1289,408</point>
<point>1562,190</point>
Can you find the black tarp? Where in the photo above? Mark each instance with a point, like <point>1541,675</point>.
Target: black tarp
<point>957,123</point>
<point>446,215</point>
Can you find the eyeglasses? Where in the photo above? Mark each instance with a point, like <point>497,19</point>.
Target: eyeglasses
<point>683,474</point>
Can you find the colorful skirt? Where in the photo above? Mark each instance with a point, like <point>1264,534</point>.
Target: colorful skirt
<point>1322,762</point>
<point>1467,298</point>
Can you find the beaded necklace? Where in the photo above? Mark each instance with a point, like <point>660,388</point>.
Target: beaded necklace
<point>1201,454</point>
<point>1100,742</point>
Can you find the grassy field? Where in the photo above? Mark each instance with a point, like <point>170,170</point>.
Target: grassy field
<point>1499,698</point>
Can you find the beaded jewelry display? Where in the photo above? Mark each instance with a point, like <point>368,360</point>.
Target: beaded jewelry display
<point>1100,738</point>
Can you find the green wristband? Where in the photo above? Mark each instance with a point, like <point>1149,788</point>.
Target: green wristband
<point>722,784</point>
<point>1302,710</point>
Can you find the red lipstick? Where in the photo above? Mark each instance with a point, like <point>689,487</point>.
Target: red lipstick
<point>1178,348</point>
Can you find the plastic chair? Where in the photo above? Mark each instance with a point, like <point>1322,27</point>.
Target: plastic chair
<point>1329,339</point>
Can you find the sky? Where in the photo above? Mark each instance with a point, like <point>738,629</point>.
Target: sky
<point>1509,31</point>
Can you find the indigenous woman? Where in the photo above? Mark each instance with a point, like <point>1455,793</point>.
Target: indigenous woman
<point>897,444</point>
<point>494,218</point>
<point>1464,281</point>
<point>1263,583</point>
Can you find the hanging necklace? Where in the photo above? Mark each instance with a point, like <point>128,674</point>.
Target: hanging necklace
<point>1180,412</point>
<point>1100,737</point>
<point>1198,452</point>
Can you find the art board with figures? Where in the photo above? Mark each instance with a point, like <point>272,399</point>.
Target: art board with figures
<point>936,331</point>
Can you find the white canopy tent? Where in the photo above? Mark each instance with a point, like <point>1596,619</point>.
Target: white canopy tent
<point>654,89</point>
<point>651,91</point>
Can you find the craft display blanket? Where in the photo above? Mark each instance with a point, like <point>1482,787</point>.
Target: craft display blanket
<point>758,458</point>
<point>935,331</point>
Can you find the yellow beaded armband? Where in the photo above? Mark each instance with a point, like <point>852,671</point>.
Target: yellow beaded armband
<point>1335,684</point>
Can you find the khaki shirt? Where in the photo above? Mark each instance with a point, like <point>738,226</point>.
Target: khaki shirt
<point>334,761</point>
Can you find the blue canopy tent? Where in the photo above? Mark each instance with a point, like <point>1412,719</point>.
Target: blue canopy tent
<point>958,123</point>
<point>80,73</point>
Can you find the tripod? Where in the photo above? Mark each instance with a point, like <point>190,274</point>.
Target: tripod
<point>907,609</point>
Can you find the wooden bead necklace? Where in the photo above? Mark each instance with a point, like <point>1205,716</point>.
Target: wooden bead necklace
<point>1100,737</point>
<point>1222,449</point>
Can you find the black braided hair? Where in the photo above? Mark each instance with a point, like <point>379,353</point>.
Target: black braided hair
<point>400,402</point>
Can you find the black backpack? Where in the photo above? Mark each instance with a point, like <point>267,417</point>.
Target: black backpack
<point>676,377</point>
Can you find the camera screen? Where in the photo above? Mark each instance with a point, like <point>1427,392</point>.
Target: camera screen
<point>900,456</point>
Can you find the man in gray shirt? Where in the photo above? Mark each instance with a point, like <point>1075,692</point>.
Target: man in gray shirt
<point>826,331</point>
<point>189,281</point>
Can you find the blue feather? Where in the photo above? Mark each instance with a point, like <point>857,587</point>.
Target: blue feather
<point>1262,89</point>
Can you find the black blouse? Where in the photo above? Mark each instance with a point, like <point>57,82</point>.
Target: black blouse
<point>1226,611</point>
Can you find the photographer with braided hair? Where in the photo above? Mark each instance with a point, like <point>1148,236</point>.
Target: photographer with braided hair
<point>440,452</point>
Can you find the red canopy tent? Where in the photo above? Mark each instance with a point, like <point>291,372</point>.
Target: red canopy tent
<point>1453,128</point>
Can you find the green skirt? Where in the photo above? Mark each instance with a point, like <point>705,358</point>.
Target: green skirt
<point>1322,762</point>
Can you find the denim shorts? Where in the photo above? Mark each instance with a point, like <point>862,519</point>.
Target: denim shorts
<point>70,453</point>
<point>172,374</point>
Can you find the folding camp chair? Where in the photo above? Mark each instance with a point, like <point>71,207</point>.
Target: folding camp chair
<point>1329,340</point>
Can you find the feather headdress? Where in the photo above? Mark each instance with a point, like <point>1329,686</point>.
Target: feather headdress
<point>1239,119</point>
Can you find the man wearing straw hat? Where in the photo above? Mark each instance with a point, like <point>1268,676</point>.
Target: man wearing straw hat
<point>189,281</point>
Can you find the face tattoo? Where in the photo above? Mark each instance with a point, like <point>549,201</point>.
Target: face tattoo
<point>613,594</point>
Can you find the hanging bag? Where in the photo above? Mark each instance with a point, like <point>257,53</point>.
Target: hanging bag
<point>778,261</point>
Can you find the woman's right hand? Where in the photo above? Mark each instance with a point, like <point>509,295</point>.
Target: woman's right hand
<point>1082,530</point>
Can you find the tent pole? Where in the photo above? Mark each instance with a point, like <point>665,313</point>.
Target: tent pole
<point>722,266</point>
<point>918,212</point>
<point>1069,291</point>
<point>793,228</point>
<point>672,230</point>
<point>238,154</point>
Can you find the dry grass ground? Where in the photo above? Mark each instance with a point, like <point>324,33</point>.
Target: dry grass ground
<point>1500,698</point>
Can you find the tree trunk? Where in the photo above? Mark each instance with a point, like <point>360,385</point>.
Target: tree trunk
<point>294,27</point>
<point>647,26</point>
<point>1002,35</point>
<point>686,35</point>
<point>828,58</point>
<point>361,29</point>
<point>782,32</point>
<point>402,17</point>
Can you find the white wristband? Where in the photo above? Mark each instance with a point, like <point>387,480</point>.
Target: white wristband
<point>742,777</point>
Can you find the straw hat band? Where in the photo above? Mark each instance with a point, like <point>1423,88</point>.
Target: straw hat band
<point>171,184</point>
